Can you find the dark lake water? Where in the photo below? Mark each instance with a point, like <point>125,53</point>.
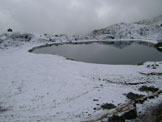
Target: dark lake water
<point>105,52</point>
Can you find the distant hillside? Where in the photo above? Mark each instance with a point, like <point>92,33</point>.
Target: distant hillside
<point>154,21</point>
<point>146,29</point>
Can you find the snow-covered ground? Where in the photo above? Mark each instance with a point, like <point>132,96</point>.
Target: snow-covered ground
<point>37,87</point>
<point>49,88</point>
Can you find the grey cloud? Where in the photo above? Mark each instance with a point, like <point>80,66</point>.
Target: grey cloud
<point>73,16</point>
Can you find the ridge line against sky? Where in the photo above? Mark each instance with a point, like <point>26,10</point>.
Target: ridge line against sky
<point>73,16</point>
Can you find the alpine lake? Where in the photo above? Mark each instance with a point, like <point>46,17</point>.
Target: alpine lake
<point>104,52</point>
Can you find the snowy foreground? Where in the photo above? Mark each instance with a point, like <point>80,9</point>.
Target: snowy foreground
<point>48,88</point>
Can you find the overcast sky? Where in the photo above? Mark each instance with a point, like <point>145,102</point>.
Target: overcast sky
<point>73,16</point>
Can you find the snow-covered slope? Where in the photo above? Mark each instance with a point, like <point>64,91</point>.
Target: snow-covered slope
<point>147,30</point>
<point>15,39</point>
<point>154,21</point>
<point>150,30</point>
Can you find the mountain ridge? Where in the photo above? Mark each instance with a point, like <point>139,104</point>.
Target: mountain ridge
<point>150,30</point>
<point>146,29</point>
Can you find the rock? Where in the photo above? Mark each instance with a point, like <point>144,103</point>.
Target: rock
<point>96,100</point>
<point>146,88</point>
<point>116,118</point>
<point>132,114</point>
<point>108,106</point>
<point>9,30</point>
<point>3,109</point>
<point>134,96</point>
